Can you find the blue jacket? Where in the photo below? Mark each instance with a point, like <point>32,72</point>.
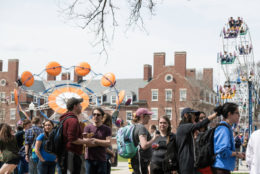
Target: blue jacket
<point>224,146</point>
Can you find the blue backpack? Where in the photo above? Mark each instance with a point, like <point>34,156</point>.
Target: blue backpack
<point>125,143</point>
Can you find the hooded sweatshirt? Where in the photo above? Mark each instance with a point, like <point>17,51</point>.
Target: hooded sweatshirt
<point>71,132</point>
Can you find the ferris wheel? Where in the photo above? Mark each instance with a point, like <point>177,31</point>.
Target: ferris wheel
<point>236,61</point>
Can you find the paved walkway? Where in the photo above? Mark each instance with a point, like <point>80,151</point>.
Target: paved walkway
<point>122,168</point>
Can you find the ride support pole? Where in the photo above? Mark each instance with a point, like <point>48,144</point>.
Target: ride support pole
<point>250,105</point>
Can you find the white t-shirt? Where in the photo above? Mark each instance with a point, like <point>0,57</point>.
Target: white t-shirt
<point>253,153</point>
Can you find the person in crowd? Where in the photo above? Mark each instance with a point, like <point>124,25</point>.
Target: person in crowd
<point>141,160</point>
<point>231,22</point>
<point>160,145</point>
<point>238,143</point>
<point>119,123</point>
<point>96,162</point>
<point>253,153</point>
<point>46,164</point>
<point>20,137</point>
<point>152,129</point>
<point>238,22</point>
<point>30,138</point>
<point>244,145</point>
<point>224,146</point>
<point>9,149</point>
<point>184,138</point>
<point>110,155</point>
<point>70,161</point>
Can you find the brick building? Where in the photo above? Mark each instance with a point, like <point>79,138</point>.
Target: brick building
<point>166,90</point>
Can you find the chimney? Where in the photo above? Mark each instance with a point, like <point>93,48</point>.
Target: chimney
<point>180,63</point>
<point>65,76</point>
<point>158,63</point>
<point>1,65</point>
<point>191,73</point>
<point>147,72</point>
<point>208,77</point>
<point>50,77</point>
<point>13,65</point>
<point>77,78</point>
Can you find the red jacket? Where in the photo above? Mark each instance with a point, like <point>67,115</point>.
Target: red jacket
<point>71,132</point>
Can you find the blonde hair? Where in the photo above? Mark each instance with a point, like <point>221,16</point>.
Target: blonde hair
<point>136,118</point>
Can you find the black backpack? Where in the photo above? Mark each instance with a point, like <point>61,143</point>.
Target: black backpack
<point>204,148</point>
<point>170,161</point>
<point>54,143</point>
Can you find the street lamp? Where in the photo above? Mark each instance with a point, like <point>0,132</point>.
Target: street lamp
<point>31,109</point>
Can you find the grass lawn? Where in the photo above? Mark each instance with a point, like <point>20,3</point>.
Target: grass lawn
<point>120,159</point>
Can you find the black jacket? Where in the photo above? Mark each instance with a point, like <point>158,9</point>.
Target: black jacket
<point>184,138</point>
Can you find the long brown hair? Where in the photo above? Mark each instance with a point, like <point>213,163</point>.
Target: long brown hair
<point>107,120</point>
<point>136,118</point>
<point>46,134</point>
<point>166,118</point>
<point>6,133</point>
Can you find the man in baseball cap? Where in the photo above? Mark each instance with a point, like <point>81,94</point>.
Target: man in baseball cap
<point>191,111</point>
<point>143,111</point>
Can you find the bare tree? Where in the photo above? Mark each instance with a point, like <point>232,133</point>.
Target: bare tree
<point>99,16</point>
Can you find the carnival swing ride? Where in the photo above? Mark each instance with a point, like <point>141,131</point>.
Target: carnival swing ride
<point>57,92</point>
<point>236,60</point>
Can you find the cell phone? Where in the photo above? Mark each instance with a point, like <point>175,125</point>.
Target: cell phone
<point>157,132</point>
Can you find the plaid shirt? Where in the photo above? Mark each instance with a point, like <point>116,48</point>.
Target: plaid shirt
<point>29,134</point>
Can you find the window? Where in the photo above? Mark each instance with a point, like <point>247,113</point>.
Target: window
<point>155,113</point>
<point>2,97</point>
<point>168,78</point>
<point>2,114</point>
<point>12,97</point>
<point>104,98</point>
<point>99,100</point>
<point>154,94</point>
<point>168,94</point>
<point>168,112</point>
<point>129,115</point>
<point>134,97</point>
<point>12,113</point>
<point>183,94</point>
<point>180,110</point>
<point>113,99</point>
<point>35,99</point>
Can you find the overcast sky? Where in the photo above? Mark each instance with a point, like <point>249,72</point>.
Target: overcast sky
<point>36,33</point>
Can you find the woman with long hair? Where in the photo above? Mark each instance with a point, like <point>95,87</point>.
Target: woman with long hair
<point>9,149</point>
<point>224,146</point>
<point>47,161</point>
<point>160,146</point>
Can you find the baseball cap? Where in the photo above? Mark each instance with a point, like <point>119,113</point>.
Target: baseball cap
<point>73,101</point>
<point>141,111</point>
<point>189,110</point>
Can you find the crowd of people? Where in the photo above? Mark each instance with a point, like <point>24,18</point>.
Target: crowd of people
<point>235,27</point>
<point>88,149</point>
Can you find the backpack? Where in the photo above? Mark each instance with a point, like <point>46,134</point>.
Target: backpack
<point>204,148</point>
<point>54,143</point>
<point>237,142</point>
<point>170,161</point>
<point>125,143</point>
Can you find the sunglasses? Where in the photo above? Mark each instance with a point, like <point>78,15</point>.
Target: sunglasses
<point>96,114</point>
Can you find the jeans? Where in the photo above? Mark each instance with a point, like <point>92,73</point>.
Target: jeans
<point>136,167</point>
<point>73,163</point>
<point>32,167</point>
<point>23,166</point>
<point>96,167</point>
<point>46,167</point>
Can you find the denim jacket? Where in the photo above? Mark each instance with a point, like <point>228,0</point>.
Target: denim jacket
<point>224,146</point>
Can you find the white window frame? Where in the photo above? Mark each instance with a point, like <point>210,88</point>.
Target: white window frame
<point>130,115</point>
<point>155,114</point>
<point>180,110</point>
<point>12,113</point>
<point>169,115</point>
<point>181,97</point>
<point>12,100</point>
<point>154,96</point>
<point>2,114</point>
<point>2,97</point>
<point>166,96</point>
<point>113,99</point>
<point>99,100</point>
